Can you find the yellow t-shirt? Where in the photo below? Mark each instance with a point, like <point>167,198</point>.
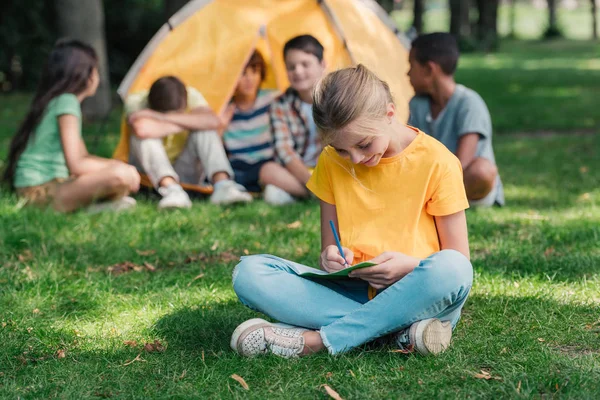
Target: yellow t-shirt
<point>391,207</point>
<point>174,143</point>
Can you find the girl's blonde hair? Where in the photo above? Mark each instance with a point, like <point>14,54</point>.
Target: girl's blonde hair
<point>348,95</point>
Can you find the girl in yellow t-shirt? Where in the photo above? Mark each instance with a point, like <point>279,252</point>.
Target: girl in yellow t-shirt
<point>398,200</point>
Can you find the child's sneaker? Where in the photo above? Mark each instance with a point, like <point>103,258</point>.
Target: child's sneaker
<point>120,204</point>
<point>229,192</point>
<point>429,336</point>
<point>173,197</point>
<point>257,336</point>
<point>276,196</point>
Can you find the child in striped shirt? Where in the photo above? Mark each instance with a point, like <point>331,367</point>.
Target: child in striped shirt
<point>249,141</point>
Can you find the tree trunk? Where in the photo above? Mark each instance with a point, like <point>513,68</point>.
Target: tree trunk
<point>459,18</point>
<point>487,24</point>
<point>594,20</point>
<point>84,20</point>
<point>552,25</point>
<point>513,19</point>
<point>418,10</point>
<point>172,6</point>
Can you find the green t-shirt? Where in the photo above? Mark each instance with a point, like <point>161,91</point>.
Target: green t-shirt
<point>44,160</point>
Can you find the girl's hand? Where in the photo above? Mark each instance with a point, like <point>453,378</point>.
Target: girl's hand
<point>130,175</point>
<point>391,267</point>
<point>225,118</point>
<point>332,260</point>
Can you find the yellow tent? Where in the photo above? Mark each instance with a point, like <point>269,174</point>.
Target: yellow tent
<point>207,43</point>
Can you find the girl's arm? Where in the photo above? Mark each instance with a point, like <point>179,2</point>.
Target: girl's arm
<point>452,231</point>
<point>77,157</point>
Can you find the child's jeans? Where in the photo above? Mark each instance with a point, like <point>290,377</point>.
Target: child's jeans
<point>341,310</point>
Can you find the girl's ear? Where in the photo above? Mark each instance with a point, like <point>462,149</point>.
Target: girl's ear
<point>390,112</point>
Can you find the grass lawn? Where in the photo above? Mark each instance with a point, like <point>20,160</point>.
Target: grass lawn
<point>71,329</point>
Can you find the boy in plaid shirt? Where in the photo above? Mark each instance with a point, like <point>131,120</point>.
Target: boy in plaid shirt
<point>297,145</point>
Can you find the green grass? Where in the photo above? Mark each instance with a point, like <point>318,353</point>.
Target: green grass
<point>532,321</point>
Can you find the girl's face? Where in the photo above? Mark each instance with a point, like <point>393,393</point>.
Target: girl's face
<point>249,82</point>
<point>303,69</point>
<point>93,82</point>
<point>366,149</point>
<point>369,148</point>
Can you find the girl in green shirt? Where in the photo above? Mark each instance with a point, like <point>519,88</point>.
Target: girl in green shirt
<point>48,163</point>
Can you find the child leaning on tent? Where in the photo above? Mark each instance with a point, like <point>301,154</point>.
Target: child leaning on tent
<point>48,163</point>
<point>174,140</point>
<point>297,144</point>
<point>249,141</point>
<point>415,230</point>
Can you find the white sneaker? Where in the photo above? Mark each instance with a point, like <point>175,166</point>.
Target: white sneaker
<point>119,204</point>
<point>429,336</point>
<point>276,196</point>
<point>229,192</point>
<point>173,197</point>
<point>257,336</point>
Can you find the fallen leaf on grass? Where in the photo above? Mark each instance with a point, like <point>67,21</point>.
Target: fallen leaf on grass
<point>328,375</point>
<point>409,349</point>
<point>145,252</point>
<point>128,266</point>
<point>541,339</point>
<point>149,266</point>
<point>294,225</point>
<point>241,381</point>
<point>137,358</point>
<point>130,343</point>
<point>156,346</point>
<point>332,393</point>
<point>225,256</point>
<point>487,376</point>
<point>584,197</point>
<point>121,268</point>
<point>583,169</point>
<point>60,354</point>
<point>25,256</point>
<point>246,252</point>
<point>215,245</point>
<point>152,347</point>
<point>36,311</point>
<point>195,278</point>
<point>549,251</point>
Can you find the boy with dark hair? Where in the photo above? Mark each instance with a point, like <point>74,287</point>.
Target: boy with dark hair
<point>175,140</point>
<point>296,142</point>
<point>454,114</point>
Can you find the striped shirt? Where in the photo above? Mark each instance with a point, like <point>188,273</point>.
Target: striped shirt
<point>248,137</point>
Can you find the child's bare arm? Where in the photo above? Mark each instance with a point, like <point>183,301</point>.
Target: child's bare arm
<point>453,234</point>
<point>78,160</point>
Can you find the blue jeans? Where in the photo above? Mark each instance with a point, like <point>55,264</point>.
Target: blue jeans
<point>341,310</point>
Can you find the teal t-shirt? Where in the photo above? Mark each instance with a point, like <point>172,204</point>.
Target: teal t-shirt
<point>465,112</point>
<point>43,159</point>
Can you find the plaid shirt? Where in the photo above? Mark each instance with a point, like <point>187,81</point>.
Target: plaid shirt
<point>290,128</point>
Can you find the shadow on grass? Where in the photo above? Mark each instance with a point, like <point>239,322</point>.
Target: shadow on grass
<point>531,342</point>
